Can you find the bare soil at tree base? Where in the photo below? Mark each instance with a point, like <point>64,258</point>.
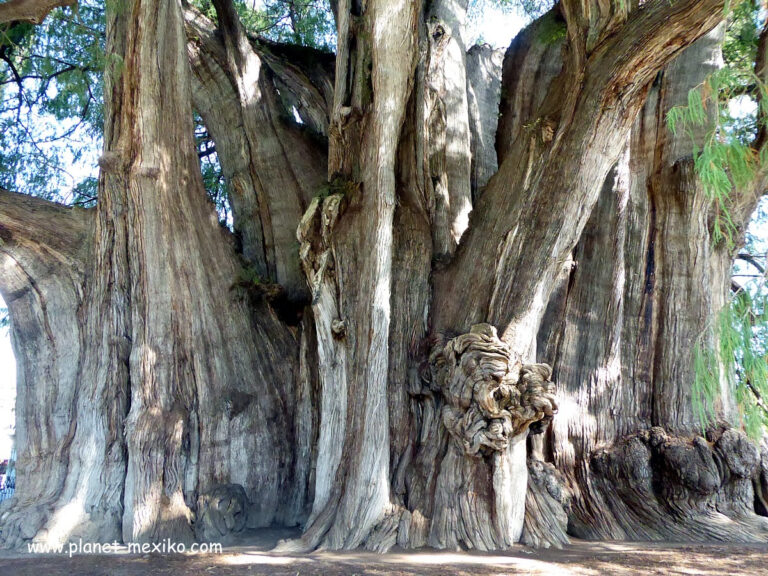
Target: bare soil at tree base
<point>251,556</point>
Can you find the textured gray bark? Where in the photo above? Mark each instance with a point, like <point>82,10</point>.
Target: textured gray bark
<point>42,286</point>
<point>645,284</point>
<point>445,95</point>
<point>554,170</point>
<point>531,63</point>
<point>346,246</point>
<point>163,396</point>
<point>483,95</point>
<point>273,166</point>
<point>178,378</point>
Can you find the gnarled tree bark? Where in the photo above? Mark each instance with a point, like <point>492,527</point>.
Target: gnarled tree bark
<point>387,395</point>
<point>43,255</point>
<point>178,376</point>
<point>646,284</point>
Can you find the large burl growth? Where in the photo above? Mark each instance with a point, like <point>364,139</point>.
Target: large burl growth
<point>490,399</point>
<point>490,395</point>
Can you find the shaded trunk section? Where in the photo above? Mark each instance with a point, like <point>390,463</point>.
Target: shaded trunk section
<point>646,282</point>
<point>182,372</point>
<point>42,285</point>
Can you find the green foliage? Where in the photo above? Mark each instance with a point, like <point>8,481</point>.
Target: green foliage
<point>706,384</point>
<point>249,277</point>
<point>552,29</point>
<point>338,185</point>
<point>250,283</point>
<point>303,22</point>
<point>723,116</point>
<point>86,192</point>
<point>741,360</point>
<point>51,93</point>
<point>213,178</point>
<point>531,8</point>
<point>14,35</point>
<point>51,103</point>
<point>740,43</point>
<point>714,117</point>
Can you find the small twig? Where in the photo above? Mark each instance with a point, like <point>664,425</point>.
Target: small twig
<point>17,79</point>
<point>758,397</point>
<point>750,259</point>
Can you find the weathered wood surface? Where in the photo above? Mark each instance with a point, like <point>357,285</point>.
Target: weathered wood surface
<point>646,282</point>
<point>392,397</point>
<point>33,11</point>
<point>176,379</point>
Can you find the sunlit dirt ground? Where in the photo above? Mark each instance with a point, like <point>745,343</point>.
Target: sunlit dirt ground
<point>251,557</point>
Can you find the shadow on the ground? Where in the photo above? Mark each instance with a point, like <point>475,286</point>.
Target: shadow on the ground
<point>250,555</point>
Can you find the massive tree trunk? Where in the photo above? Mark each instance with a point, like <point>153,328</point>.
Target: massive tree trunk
<point>42,285</point>
<point>359,357</point>
<point>644,286</point>
<point>172,371</point>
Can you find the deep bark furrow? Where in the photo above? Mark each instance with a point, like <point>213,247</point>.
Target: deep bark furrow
<point>354,359</point>
<point>556,168</point>
<point>648,280</point>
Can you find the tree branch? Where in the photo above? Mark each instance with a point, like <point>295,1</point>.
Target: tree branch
<point>306,73</point>
<point>647,41</point>
<point>550,180</point>
<point>744,201</point>
<point>758,397</point>
<point>761,71</point>
<point>245,93</point>
<point>746,257</point>
<point>17,79</point>
<point>29,223</point>
<point>33,11</point>
<point>209,151</point>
